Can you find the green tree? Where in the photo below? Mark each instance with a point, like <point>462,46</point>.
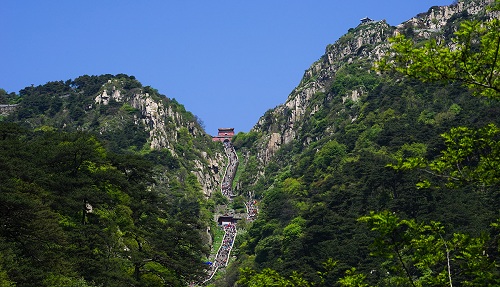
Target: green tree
<point>471,155</point>
<point>73,214</point>
<point>474,60</point>
<point>420,254</point>
<point>269,277</point>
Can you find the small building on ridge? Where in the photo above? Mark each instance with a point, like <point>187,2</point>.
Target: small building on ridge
<point>365,20</point>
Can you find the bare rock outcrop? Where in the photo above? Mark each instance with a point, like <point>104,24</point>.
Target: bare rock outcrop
<point>163,124</point>
<point>367,42</point>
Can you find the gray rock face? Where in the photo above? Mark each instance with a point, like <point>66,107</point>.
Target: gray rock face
<point>437,17</point>
<point>368,41</point>
<point>163,124</point>
<point>6,110</point>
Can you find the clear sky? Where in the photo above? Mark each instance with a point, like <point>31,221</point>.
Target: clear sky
<point>227,62</point>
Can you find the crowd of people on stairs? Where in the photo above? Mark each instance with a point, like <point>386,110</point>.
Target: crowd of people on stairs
<point>230,172</point>
<point>252,210</point>
<point>222,257</point>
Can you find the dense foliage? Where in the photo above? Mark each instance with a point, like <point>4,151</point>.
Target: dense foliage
<point>75,214</point>
<point>473,60</point>
<point>84,199</point>
<point>398,188</point>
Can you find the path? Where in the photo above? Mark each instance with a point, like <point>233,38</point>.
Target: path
<point>222,257</point>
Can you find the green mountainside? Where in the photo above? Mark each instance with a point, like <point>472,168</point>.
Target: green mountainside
<point>128,117</point>
<point>327,157</point>
<point>105,182</point>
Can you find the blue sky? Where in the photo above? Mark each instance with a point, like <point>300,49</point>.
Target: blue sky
<point>243,57</point>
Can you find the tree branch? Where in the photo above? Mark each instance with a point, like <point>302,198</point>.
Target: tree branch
<point>396,249</point>
<point>494,62</point>
<point>447,260</point>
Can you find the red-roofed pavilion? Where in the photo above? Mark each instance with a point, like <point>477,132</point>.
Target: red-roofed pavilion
<point>224,134</point>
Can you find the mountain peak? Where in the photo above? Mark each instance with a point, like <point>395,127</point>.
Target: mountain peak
<point>357,50</point>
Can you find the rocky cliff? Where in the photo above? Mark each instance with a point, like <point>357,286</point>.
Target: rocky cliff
<point>163,122</point>
<point>5,110</point>
<point>359,48</point>
<point>130,118</point>
<point>155,115</point>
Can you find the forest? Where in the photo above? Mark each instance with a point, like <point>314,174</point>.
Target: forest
<point>71,209</point>
<point>85,202</point>
<point>400,188</point>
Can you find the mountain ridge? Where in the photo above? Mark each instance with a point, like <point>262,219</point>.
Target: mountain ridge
<point>365,43</point>
<point>316,163</point>
<point>322,160</point>
<point>137,118</point>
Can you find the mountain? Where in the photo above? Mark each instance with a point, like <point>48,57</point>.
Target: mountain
<point>348,62</point>
<point>104,183</point>
<point>323,159</point>
<point>127,115</point>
